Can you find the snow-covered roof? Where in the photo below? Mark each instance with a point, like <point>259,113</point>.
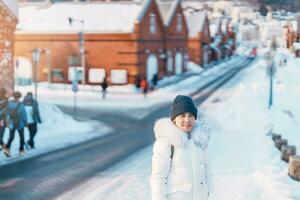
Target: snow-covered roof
<point>12,6</point>
<point>98,17</point>
<point>296,45</point>
<point>298,25</point>
<point>195,22</point>
<point>193,5</point>
<point>224,23</point>
<point>145,7</point>
<point>294,25</point>
<point>214,26</point>
<point>167,10</point>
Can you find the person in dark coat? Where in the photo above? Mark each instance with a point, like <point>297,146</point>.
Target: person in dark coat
<point>138,84</point>
<point>33,117</point>
<point>154,81</point>
<point>17,122</point>
<point>3,104</point>
<point>104,86</point>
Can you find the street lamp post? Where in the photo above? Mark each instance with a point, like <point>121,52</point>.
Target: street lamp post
<point>271,70</point>
<point>17,82</point>
<point>81,44</point>
<point>48,56</point>
<point>35,57</point>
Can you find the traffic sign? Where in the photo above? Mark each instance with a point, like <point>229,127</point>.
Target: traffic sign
<point>271,70</point>
<point>75,86</point>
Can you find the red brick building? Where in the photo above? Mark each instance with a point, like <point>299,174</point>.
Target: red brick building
<point>228,37</point>
<point>112,49</point>
<point>199,37</point>
<point>120,45</point>
<point>175,36</point>
<point>8,21</point>
<point>223,42</point>
<point>293,36</point>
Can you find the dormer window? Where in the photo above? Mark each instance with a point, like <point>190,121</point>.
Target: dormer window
<point>179,23</point>
<point>152,27</point>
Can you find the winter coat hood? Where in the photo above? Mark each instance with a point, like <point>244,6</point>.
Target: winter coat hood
<point>164,128</point>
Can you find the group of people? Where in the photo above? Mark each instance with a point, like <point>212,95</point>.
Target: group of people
<point>16,115</point>
<point>144,85</point>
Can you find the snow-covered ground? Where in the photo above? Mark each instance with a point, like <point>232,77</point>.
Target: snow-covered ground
<point>91,97</point>
<point>246,164</point>
<point>57,130</point>
<point>52,136</point>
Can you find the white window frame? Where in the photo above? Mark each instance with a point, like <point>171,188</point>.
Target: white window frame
<point>71,73</point>
<point>119,76</point>
<point>179,23</point>
<point>96,75</point>
<point>152,23</point>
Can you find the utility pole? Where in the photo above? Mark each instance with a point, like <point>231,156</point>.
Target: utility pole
<point>48,57</point>
<point>81,46</point>
<point>35,58</point>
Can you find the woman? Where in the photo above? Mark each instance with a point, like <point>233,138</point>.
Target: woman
<point>17,120</point>
<point>180,167</point>
<point>33,117</point>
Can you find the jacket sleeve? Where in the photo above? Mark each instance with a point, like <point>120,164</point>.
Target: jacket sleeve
<point>23,114</point>
<point>160,169</point>
<point>37,112</point>
<point>208,172</point>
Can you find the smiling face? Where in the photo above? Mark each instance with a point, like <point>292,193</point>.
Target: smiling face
<point>185,121</point>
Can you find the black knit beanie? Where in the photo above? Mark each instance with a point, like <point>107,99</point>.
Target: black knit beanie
<point>182,104</point>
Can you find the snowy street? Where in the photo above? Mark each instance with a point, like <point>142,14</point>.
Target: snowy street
<point>246,164</point>
<point>149,100</point>
<point>102,152</point>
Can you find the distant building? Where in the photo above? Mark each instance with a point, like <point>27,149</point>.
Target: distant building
<point>8,21</point>
<point>294,37</point>
<point>123,40</point>
<point>199,37</point>
<point>175,37</point>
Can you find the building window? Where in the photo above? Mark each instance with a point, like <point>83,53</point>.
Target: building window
<point>118,76</point>
<point>152,23</point>
<point>96,75</point>
<point>75,73</point>
<point>57,75</point>
<point>179,23</point>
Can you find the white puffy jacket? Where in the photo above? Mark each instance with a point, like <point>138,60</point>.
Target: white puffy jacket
<point>175,178</point>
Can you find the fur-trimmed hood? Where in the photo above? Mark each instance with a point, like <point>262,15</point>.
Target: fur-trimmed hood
<point>164,128</point>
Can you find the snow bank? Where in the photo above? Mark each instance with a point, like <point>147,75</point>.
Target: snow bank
<point>57,130</point>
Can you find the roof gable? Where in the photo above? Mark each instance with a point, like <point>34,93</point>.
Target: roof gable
<point>167,10</point>
<point>196,22</point>
<point>144,10</point>
<point>11,5</point>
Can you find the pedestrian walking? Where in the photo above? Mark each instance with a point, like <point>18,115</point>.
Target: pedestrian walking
<point>144,86</point>
<point>16,119</point>
<point>137,84</point>
<point>3,104</point>
<point>154,81</point>
<point>104,86</point>
<point>180,163</point>
<point>285,61</point>
<point>33,117</point>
